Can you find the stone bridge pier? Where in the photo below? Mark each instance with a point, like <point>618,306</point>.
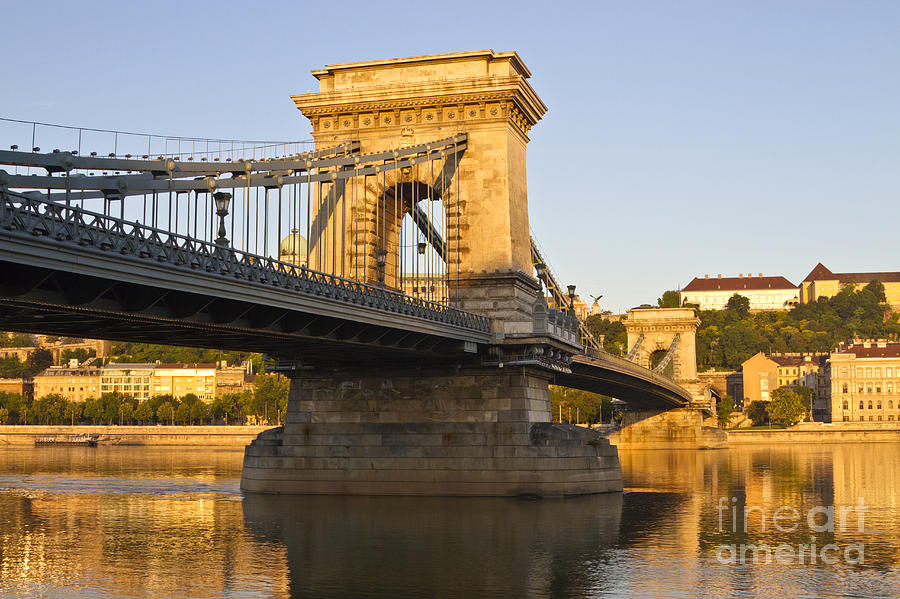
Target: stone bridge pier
<point>475,432</point>
<point>480,424</point>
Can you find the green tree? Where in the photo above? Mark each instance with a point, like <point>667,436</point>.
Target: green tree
<point>785,407</point>
<point>166,412</point>
<point>11,368</point>
<point>110,404</point>
<point>15,404</point>
<point>585,406</point>
<point>724,410</point>
<point>669,299</point>
<point>270,396</point>
<point>191,410</point>
<point>144,412</point>
<point>615,338</point>
<point>739,305</point>
<point>806,397</point>
<point>49,409</point>
<point>92,410</point>
<point>225,406</point>
<point>37,362</point>
<point>4,415</point>
<point>72,411</point>
<point>877,289</point>
<point>757,413</point>
<point>126,412</point>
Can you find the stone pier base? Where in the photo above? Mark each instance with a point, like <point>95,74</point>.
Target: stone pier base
<point>682,428</point>
<point>484,432</point>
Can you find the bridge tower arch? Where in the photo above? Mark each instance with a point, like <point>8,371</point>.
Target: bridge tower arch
<point>659,334</point>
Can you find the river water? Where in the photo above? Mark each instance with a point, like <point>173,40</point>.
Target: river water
<point>171,522</point>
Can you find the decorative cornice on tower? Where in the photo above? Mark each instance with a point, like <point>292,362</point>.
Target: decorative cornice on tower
<point>441,89</point>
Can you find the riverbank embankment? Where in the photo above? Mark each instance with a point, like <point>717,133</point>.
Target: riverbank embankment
<point>206,436</point>
<point>819,432</point>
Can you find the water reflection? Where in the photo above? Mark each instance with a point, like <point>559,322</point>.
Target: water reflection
<point>421,547</point>
<point>144,522</point>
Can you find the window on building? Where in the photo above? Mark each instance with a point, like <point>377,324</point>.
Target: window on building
<point>870,404</point>
<point>879,404</point>
<point>859,373</point>
<point>890,416</point>
<point>844,372</point>
<point>859,388</point>
<point>862,418</point>
<point>888,372</point>
<point>890,387</point>
<point>879,417</point>
<point>890,404</point>
<point>861,405</point>
<point>877,372</point>
<point>846,405</point>
<point>877,387</point>
<point>844,388</point>
<point>846,419</point>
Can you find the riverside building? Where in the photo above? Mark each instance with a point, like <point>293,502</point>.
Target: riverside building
<point>764,293</point>
<point>865,382</point>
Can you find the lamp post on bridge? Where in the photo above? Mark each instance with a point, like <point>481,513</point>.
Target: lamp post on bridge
<point>223,200</point>
<point>571,289</point>
<point>380,262</point>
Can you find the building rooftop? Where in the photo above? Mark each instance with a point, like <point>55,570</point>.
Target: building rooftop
<point>65,371</point>
<point>874,350</point>
<point>721,283</point>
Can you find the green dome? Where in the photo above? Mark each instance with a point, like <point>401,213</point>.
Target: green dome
<point>293,245</point>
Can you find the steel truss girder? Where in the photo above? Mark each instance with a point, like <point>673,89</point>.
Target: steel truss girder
<point>259,174</point>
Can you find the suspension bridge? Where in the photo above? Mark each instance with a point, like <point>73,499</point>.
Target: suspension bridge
<point>386,266</point>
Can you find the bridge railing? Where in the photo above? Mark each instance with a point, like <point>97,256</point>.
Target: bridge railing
<point>74,226</point>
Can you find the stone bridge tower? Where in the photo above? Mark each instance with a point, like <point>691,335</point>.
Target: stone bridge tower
<point>408,101</point>
<point>651,334</point>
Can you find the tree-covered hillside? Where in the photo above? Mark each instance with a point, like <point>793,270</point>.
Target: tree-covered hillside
<point>728,337</point>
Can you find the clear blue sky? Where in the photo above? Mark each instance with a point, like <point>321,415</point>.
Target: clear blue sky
<point>683,137</point>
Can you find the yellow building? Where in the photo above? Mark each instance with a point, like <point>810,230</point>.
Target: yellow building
<point>178,380</point>
<point>128,379</point>
<point>74,382</point>
<point>763,373</point>
<point>865,382</point>
<point>821,282</point>
<point>760,378</point>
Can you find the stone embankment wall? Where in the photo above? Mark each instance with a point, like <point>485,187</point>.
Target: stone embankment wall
<point>820,432</point>
<point>206,436</point>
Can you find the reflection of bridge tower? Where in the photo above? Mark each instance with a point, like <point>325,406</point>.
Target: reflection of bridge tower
<point>664,339</point>
<point>470,208</point>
